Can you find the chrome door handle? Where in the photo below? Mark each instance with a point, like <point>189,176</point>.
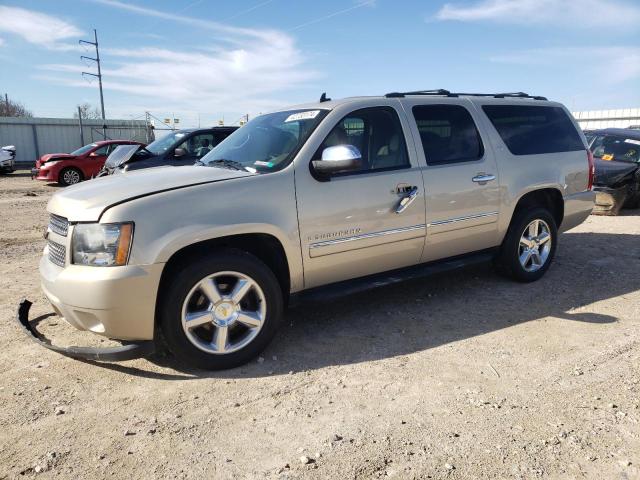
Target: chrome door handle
<point>407,200</point>
<point>483,178</point>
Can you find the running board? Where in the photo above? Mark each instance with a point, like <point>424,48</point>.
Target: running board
<point>357,285</point>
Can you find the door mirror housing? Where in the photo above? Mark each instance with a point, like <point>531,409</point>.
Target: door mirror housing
<point>179,152</point>
<point>338,159</point>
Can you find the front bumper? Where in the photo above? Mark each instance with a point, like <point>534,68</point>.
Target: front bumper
<point>114,354</point>
<point>7,165</point>
<point>117,302</point>
<point>44,174</point>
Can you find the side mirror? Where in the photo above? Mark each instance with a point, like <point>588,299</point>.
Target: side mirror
<point>179,152</point>
<point>338,159</point>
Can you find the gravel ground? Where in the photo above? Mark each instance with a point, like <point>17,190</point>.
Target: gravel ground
<point>465,375</point>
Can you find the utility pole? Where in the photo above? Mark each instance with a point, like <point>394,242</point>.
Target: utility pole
<point>99,75</point>
<point>81,127</point>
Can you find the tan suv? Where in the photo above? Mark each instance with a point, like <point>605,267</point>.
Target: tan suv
<point>205,258</point>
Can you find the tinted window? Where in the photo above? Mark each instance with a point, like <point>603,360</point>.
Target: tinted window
<point>104,150</point>
<point>617,148</point>
<point>377,133</point>
<point>198,145</point>
<point>448,134</point>
<point>531,130</point>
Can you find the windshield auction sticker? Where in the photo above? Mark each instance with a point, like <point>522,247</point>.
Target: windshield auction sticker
<point>308,115</point>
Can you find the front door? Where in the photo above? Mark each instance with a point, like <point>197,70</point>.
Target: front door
<point>354,224</point>
<point>461,179</point>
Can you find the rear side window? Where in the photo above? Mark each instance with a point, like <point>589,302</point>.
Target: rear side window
<point>532,130</point>
<point>448,134</point>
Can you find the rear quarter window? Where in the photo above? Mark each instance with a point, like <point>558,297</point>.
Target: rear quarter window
<point>532,130</point>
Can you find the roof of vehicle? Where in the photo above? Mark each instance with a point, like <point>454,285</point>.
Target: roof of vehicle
<point>622,132</point>
<point>329,104</point>
<point>107,142</point>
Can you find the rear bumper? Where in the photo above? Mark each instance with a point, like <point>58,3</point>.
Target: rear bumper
<point>114,354</point>
<point>577,207</point>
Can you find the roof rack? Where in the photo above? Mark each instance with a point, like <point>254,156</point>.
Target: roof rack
<point>447,93</point>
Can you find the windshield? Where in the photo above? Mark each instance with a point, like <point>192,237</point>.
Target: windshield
<point>120,155</point>
<point>163,144</point>
<point>267,143</point>
<point>616,148</point>
<point>84,149</point>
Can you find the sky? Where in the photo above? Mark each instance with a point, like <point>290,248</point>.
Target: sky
<point>206,60</point>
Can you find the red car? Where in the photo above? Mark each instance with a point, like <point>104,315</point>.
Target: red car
<point>71,168</point>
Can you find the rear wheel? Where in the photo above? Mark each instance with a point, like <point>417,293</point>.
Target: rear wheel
<point>221,311</point>
<point>530,245</point>
<point>70,176</point>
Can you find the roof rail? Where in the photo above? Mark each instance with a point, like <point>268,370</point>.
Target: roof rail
<point>447,93</point>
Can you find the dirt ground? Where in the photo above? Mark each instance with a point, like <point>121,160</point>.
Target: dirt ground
<point>466,375</point>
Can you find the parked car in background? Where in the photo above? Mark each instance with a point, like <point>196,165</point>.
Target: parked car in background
<point>7,159</point>
<point>617,169</point>
<point>183,147</point>
<point>334,192</point>
<point>81,164</point>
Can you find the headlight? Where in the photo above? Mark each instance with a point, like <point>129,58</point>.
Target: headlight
<point>102,245</point>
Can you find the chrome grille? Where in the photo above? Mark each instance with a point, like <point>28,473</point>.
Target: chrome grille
<point>57,253</point>
<point>59,225</point>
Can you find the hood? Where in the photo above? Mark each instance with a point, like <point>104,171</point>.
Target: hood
<point>610,173</point>
<point>121,155</point>
<point>53,156</point>
<point>86,201</point>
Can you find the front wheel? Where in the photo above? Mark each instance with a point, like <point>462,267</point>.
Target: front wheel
<point>221,311</point>
<point>69,176</point>
<point>530,245</point>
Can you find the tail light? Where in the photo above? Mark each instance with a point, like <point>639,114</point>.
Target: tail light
<point>592,169</point>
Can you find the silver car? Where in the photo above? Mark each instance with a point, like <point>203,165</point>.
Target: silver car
<point>310,199</point>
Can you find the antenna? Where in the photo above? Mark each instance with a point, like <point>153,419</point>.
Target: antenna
<point>323,98</point>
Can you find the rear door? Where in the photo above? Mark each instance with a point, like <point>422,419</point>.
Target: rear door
<point>461,178</point>
<point>351,225</point>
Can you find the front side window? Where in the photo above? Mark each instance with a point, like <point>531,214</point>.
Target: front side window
<point>620,149</point>
<point>198,145</point>
<point>376,133</point>
<point>533,130</point>
<point>267,143</point>
<point>103,150</point>
<point>84,149</point>
<point>163,144</point>
<point>448,134</point>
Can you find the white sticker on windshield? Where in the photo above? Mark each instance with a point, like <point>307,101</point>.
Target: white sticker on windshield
<point>635,142</point>
<point>302,116</point>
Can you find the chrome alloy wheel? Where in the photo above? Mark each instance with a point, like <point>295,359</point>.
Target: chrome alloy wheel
<point>535,245</point>
<point>71,177</point>
<point>224,312</point>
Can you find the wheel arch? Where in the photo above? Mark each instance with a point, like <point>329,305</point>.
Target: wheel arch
<point>263,246</point>
<point>549,198</point>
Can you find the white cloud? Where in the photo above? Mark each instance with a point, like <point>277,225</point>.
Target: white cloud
<point>614,64</point>
<point>235,69</point>
<point>38,28</point>
<point>609,15</point>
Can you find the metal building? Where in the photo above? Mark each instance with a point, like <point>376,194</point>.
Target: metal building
<point>33,137</point>
<point>622,118</point>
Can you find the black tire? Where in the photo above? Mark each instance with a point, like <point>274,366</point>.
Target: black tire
<point>178,288</point>
<point>508,261</point>
<point>68,175</point>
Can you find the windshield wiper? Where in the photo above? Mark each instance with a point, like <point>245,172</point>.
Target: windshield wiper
<point>224,163</point>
